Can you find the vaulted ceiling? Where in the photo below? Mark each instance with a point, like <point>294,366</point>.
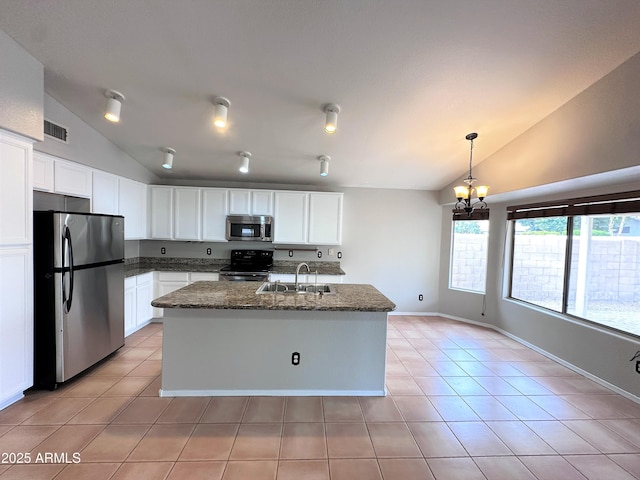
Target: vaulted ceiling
<point>411,77</point>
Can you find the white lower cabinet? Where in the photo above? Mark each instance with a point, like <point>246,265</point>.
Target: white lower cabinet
<point>138,294</point>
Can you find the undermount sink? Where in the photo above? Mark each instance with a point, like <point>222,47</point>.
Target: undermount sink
<point>290,288</point>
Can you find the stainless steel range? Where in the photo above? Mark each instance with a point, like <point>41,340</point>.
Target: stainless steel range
<point>248,266</point>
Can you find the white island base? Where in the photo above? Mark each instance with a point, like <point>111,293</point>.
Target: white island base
<point>224,352</point>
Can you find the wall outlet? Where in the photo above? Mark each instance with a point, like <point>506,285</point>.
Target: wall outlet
<point>295,358</point>
<point>163,250</point>
<point>421,297</point>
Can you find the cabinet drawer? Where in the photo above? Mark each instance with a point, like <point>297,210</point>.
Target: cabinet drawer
<point>173,276</point>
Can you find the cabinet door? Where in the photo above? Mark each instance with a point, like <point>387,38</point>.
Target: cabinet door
<point>72,179</point>
<point>290,217</point>
<point>161,212</point>
<point>261,202</point>
<point>132,202</point>
<point>16,196</point>
<point>214,214</point>
<point>239,202</point>
<point>144,311</point>
<point>130,307</point>
<point>16,323</point>
<point>42,172</point>
<point>104,197</point>
<point>325,218</point>
<point>187,218</point>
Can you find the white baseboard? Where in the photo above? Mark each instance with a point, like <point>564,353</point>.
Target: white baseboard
<point>8,401</point>
<point>273,393</point>
<point>535,348</point>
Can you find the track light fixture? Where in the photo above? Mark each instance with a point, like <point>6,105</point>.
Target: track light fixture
<point>114,103</point>
<point>324,165</point>
<point>463,192</point>
<point>331,123</point>
<point>221,110</point>
<point>168,158</point>
<point>244,163</point>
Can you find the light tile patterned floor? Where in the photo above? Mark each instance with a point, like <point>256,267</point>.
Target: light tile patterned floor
<point>464,403</point>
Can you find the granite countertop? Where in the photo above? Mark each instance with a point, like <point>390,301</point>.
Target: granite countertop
<point>243,296</point>
<point>142,265</point>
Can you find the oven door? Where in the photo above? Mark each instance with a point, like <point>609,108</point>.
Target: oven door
<point>244,276</point>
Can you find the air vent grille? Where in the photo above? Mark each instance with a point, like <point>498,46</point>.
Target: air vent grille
<point>57,132</point>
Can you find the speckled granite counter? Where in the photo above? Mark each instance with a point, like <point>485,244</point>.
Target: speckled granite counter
<point>138,266</point>
<point>243,296</point>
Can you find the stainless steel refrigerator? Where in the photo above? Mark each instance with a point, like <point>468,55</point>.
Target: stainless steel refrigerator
<point>78,292</point>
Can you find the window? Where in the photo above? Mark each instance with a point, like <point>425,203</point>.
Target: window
<point>468,269</point>
<point>580,257</point>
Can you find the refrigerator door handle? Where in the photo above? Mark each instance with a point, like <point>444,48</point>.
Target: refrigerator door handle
<point>67,248</point>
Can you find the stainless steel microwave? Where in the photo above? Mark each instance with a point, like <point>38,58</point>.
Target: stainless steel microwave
<point>249,227</point>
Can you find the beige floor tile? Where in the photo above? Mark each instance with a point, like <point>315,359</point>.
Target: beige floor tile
<point>436,439</point>
<point>453,409</point>
<point>137,353</point>
<point>350,469</point>
<point>342,409</point>
<point>210,442</point>
<point>143,470</point>
<point>598,466</point>
<point>102,411</point>
<point>303,470</point>
<point>32,472</point>
<point>420,368</point>
<point>254,470</point>
<point>93,471</point>
<point>225,410</point>
<point>59,411</point>
<point>143,410</point>
<point>115,368</point>
<point>448,369</point>
<point>380,409</point>
<point>630,462</point>
<point>24,438</point>
<point>465,386</point>
<point>264,410</point>
<point>478,439</point>
<point>151,342</point>
<point>405,469</point>
<point>520,439</point>
<point>18,412</point>
<point>89,386</point>
<point>148,368</point>
<point>417,409</point>
<point>601,437</point>
<point>303,441</point>
<point>392,440</point>
<point>153,389</point>
<point>402,386</point>
<point>303,409</point>
<point>435,386</point>
<point>551,467</point>
<point>558,408</point>
<point>488,408</point>
<point>561,438</point>
<point>455,469</point>
<point>162,443</point>
<point>184,410</point>
<point>128,387</point>
<point>523,408</point>
<point>157,355</point>
<point>68,439</point>
<point>501,468</point>
<point>257,442</point>
<point>601,407</point>
<point>197,471</point>
<point>114,443</point>
<point>627,428</point>
<point>348,440</point>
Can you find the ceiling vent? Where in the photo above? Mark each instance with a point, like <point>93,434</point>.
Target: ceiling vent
<point>57,132</point>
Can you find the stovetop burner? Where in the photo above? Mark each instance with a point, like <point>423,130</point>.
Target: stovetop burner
<point>249,262</point>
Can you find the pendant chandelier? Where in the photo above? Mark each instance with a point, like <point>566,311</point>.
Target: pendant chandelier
<point>464,192</point>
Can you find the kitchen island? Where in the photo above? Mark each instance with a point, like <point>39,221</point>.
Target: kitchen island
<point>222,338</point>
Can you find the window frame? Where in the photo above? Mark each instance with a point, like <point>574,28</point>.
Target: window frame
<point>611,204</point>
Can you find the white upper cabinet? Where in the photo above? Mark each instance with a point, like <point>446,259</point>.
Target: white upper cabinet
<point>215,205</point>
<point>105,194</point>
<point>72,179</point>
<point>42,172</point>
<point>325,218</point>
<point>291,220</point>
<point>132,202</point>
<point>15,191</point>
<point>161,220</point>
<point>250,202</point>
<point>186,217</point>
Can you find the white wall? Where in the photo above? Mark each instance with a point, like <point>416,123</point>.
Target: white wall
<point>88,147</point>
<point>391,239</point>
<point>21,90</point>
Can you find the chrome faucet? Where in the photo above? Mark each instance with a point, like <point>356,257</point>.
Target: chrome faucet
<point>298,272</point>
